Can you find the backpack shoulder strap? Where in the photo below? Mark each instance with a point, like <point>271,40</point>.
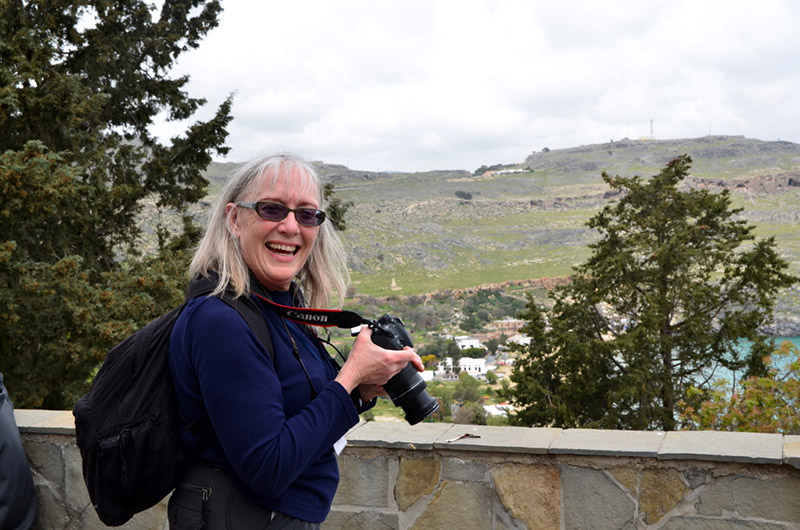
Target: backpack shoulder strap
<point>246,307</point>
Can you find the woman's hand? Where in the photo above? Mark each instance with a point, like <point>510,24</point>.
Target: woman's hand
<point>370,364</point>
<point>368,392</point>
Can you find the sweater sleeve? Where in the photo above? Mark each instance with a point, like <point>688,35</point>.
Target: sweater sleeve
<point>361,405</point>
<point>244,397</point>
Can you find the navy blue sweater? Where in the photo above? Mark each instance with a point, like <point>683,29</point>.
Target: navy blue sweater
<point>271,434</point>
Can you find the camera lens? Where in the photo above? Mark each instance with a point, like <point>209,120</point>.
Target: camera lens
<point>407,390</point>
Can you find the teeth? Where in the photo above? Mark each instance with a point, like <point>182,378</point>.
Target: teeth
<point>282,248</point>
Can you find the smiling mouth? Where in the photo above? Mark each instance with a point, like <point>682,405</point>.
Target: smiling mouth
<point>284,250</point>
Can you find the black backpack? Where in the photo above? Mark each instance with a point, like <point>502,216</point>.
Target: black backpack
<point>127,426</point>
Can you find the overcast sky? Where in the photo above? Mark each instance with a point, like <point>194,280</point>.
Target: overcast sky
<point>413,85</point>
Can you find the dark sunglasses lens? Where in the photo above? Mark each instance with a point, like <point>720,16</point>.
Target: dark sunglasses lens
<point>272,211</point>
<point>309,216</point>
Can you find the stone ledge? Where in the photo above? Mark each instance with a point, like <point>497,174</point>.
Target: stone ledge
<point>397,435</point>
<point>45,421</point>
<point>740,447</point>
<point>791,451</point>
<point>534,440</point>
<point>600,442</point>
<point>744,447</point>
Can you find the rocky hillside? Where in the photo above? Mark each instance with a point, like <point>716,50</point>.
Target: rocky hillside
<point>416,233</point>
<point>713,156</point>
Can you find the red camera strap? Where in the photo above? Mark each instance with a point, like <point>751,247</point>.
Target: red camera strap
<point>326,318</point>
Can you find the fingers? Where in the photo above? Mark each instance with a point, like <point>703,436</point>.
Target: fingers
<point>401,358</point>
<point>416,361</point>
<point>372,364</point>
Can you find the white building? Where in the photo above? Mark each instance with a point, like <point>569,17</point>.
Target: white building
<point>445,365</point>
<point>473,367</point>
<point>497,410</point>
<point>524,340</point>
<point>465,343</point>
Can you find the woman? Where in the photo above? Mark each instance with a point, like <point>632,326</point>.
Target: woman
<point>278,418</point>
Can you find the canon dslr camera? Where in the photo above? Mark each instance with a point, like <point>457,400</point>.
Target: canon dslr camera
<point>407,388</point>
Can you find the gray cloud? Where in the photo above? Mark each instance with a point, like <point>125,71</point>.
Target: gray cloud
<point>448,84</point>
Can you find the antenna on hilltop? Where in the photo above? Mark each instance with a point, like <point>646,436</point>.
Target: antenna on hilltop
<point>651,129</point>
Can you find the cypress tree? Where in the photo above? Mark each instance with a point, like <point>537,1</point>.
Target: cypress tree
<point>81,83</point>
<point>675,282</point>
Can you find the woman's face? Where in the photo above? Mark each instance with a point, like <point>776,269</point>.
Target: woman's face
<point>275,250</point>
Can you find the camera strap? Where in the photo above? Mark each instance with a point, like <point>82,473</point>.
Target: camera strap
<point>326,318</point>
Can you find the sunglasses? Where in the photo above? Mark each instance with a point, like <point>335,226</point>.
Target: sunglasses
<point>275,211</point>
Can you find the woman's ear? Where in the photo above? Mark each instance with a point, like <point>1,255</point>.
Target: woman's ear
<point>232,213</point>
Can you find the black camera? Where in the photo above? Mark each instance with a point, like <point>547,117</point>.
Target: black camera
<point>406,388</point>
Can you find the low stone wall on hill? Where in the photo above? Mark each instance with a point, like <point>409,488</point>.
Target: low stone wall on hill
<point>444,476</point>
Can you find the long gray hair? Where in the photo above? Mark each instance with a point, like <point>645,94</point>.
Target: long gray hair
<point>218,252</point>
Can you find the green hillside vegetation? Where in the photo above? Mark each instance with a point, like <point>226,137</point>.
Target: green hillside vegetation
<point>418,232</point>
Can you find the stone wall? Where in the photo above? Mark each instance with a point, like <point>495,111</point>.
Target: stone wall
<point>444,476</point>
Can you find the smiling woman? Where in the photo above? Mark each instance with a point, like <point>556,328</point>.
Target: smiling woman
<point>276,246</point>
<point>256,204</point>
<point>278,420</point>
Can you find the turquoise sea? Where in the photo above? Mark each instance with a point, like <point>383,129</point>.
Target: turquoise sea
<point>793,340</point>
<point>725,374</point>
<point>778,341</point>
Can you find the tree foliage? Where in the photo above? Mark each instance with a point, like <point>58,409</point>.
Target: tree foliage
<point>494,343</point>
<point>430,361</point>
<point>473,353</point>
<point>337,208</point>
<point>470,413</point>
<point>81,83</point>
<point>484,168</point>
<point>761,404</point>
<point>441,348</point>
<point>467,389</point>
<point>676,280</point>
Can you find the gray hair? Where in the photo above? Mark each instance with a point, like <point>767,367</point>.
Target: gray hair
<point>218,252</point>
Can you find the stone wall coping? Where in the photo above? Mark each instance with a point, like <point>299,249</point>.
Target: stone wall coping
<point>791,450</point>
<point>747,447</point>
<point>45,421</point>
<point>601,442</point>
<point>742,447</point>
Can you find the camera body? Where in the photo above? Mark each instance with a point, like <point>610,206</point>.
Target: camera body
<point>406,388</point>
